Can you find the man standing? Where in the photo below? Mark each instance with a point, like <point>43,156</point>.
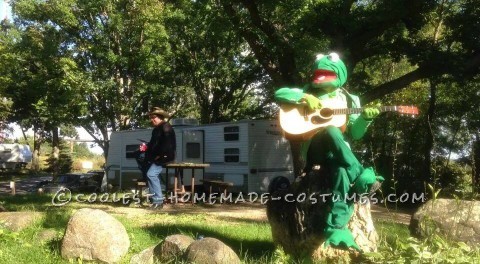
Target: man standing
<point>160,151</point>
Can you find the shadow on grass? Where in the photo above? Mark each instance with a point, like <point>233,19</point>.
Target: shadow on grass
<point>230,219</point>
<point>55,246</point>
<point>57,217</point>
<point>253,247</point>
<point>38,202</point>
<point>20,174</point>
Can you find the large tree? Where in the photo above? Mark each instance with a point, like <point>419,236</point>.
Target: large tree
<point>119,48</point>
<point>43,82</point>
<point>6,41</point>
<point>214,62</point>
<point>285,35</point>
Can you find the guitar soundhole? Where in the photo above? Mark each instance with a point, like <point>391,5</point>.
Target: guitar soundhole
<point>322,117</point>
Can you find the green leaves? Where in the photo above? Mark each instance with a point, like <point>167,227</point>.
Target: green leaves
<point>212,64</point>
<point>434,249</point>
<point>87,63</point>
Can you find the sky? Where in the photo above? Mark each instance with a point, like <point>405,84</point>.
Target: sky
<point>5,10</point>
<point>17,133</point>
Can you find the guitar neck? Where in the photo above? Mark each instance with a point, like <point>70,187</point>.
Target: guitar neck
<point>358,110</point>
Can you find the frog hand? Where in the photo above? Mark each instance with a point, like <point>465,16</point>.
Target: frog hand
<point>370,113</point>
<point>312,101</point>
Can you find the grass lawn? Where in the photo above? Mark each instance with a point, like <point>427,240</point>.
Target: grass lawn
<point>249,237</point>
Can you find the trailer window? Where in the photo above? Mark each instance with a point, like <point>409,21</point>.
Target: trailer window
<point>193,150</point>
<point>231,133</point>
<point>130,151</point>
<point>232,154</point>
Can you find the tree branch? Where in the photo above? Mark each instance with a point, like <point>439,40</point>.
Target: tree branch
<point>254,42</point>
<point>394,85</point>
<point>470,66</point>
<point>286,58</point>
<point>280,67</point>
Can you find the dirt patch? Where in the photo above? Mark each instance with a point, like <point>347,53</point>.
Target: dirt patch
<point>237,212</point>
<point>246,211</point>
<point>391,215</point>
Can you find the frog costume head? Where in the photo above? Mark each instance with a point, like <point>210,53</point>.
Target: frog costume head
<point>329,72</point>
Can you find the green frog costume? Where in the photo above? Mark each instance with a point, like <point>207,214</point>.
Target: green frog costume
<point>328,147</point>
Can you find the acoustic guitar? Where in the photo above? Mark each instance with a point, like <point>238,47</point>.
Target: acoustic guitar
<point>298,119</point>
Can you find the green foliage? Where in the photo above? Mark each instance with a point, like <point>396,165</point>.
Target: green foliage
<point>433,249</point>
<point>453,178</point>
<point>226,83</point>
<point>88,63</point>
<point>64,163</point>
<point>395,144</point>
<point>391,48</point>
<point>45,79</point>
<point>6,40</point>
<point>81,150</point>
<point>396,246</point>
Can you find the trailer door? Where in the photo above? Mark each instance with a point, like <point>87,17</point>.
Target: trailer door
<point>192,146</point>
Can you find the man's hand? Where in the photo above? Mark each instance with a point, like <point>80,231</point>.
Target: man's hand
<point>312,101</point>
<point>370,113</point>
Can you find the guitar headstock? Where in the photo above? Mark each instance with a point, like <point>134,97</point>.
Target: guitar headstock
<point>408,110</point>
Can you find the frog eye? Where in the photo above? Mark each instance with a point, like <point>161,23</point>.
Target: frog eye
<point>334,57</point>
<point>319,56</point>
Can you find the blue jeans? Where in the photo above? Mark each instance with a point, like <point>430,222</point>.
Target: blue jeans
<point>154,186</point>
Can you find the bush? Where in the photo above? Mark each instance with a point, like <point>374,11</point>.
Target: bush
<point>64,163</point>
<point>454,179</point>
<point>434,249</point>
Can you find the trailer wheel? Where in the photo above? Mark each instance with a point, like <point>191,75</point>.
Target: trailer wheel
<point>278,183</point>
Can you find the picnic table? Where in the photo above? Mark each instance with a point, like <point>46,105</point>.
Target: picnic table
<point>220,185</point>
<point>178,170</point>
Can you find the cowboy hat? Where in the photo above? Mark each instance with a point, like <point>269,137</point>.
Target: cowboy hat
<point>158,112</point>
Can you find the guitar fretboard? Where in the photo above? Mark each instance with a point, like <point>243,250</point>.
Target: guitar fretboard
<point>358,110</point>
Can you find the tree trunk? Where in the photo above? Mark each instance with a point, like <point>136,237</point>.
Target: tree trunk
<point>297,226</point>
<point>476,165</point>
<point>55,151</point>
<point>105,145</point>
<point>429,135</point>
<point>37,142</point>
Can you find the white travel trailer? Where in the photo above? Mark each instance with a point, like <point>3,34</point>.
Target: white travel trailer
<point>248,153</point>
<point>13,156</point>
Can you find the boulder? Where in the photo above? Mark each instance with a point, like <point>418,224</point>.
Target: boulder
<point>172,247</point>
<point>144,257</point>
<point>210,251</point>
<point>94,235</point>
<point>456,219</point>
<point>296,215</point>
<point>17,221</point>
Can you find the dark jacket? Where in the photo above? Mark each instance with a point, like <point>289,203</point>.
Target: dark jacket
<point>162,144</point>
